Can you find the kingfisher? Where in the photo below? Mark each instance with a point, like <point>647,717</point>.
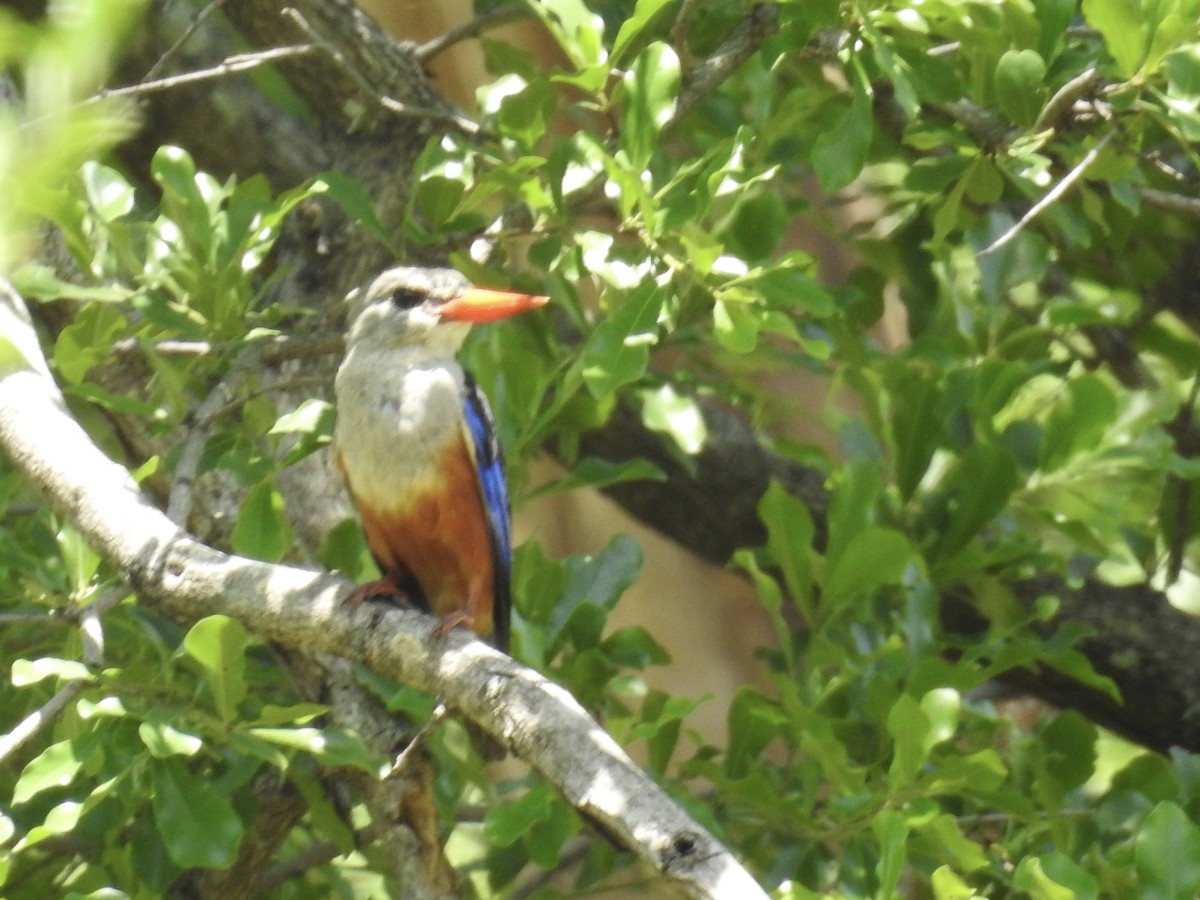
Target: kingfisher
<point>416,444</point>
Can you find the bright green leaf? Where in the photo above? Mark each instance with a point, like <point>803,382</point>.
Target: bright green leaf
<point>618,350</point>
<point>789,540</point>
<point>219,643</point>
<point>262,530</point>
<point>30,671</point>
<point>1020,85</point>
<point>1167,855</point>
<point>677,415</point>
<point>164,740</point>
<point>650,90</point>
<point>56,766</point>
<point>1030,877</point>
<point>891,831</point>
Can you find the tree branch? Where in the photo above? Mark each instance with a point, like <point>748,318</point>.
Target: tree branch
<point>186,580</point>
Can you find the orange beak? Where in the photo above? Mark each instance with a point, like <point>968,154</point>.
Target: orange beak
<point>483,305</point>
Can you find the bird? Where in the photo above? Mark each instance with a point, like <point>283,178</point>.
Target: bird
<point>416,444</point>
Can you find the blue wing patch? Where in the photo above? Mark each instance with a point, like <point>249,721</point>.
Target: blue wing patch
<point>489,468</point>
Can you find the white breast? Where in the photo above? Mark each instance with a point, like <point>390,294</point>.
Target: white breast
<point>396,412</point>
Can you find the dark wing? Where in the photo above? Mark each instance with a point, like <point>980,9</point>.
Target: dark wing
<point>489,467</point>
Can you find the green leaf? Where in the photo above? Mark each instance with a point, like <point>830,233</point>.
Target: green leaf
<point>262,530</point>
<point>599,579</point>
<point>80,560</point>
<point>88,340</point>
<point>634,647</point>
<point>599,473</point>
<point>735,325</point>
<point>771,597</point>
<point>944,833</point>
<point>1020,85</point>
<point>1065,871</point>
<point>650,90</point>
<point>30,671</point>
<point>1068,745</point>
<point>1031,878</point>
<point>37,282</point>
<point>548,834</point>
<point>875,557</point>
<point>310,416</point>
<point>1120,25</point>
<point>909,728</point>
<point>332,746</point>
<point>12,358</point>
<point>109,194</point>
<point>891,831</point>
<point>163,740</point>
<point>219,643</point>
<point>618,350</point>
<point>754,720</point>
<point>505,825</point>
<point>948,886</point>
<point>841,148</point>
<point>62,819</point>
<point>789,541</point>
<point>678,415</point>
<point>198,825</point>
<point>54,767</point>
<point>579,31</point>
<point>355,202</point>
<point>313,421</point>
<point>1078,423</point>
<point>916,427</point>
<point>635,28</point>
<point>1167,855</point>
<point>853,506</point>
<point>983,481</point>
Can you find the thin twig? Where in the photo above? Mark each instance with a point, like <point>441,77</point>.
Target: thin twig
<point>127,346</point>
<point>759,24</point>
<point>677,37</point>
<point>1064,98</point>
<point>34,723</point>
<point>191,29</point>
<point>1171,202</point>
<point>470,29</point>
<point>570,855</point>
<point>231,65</point>
<point>54,617</point>
<point>310,858</point>
<point>439,714</point>
<point>179,502</point>
<point>1052,195</point>
<point>90,628</point>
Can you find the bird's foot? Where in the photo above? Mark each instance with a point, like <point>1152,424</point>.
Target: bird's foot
<point>452,620</point>
<point>386,587</point>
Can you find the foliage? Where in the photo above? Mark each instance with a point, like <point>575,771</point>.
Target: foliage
<point>1027,424</point>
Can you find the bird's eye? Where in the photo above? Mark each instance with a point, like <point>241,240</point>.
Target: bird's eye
<point>406,298</point>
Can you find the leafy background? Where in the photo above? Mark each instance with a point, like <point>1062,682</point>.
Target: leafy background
<point>1013,185</point>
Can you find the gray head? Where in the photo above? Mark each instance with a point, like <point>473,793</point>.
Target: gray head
<point>429,308</point>
<point>400,308</point>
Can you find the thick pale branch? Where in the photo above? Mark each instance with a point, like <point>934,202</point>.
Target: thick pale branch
<point>187,580</point>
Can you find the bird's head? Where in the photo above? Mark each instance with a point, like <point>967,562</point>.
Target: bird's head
<point>432,308</point>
